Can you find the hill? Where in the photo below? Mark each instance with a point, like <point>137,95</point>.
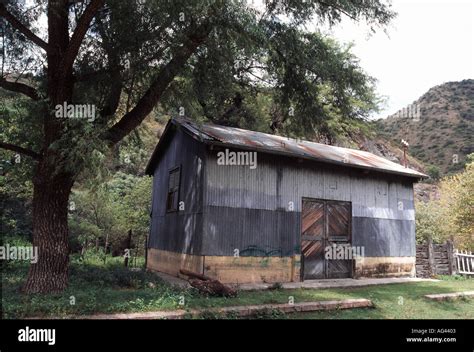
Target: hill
<point>439,126</point>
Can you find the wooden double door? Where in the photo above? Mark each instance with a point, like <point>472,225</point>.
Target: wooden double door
<point>325,224</point>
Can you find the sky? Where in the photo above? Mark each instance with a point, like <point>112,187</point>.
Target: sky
<point>429,43</point>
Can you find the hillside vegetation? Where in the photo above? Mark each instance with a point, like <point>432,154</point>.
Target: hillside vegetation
<point>442,135</point>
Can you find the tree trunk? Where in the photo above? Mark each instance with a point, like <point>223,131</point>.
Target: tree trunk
<point>50,231</point>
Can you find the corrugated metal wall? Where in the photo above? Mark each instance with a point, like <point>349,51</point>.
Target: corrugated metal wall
<point>250,210</point>
<point>258,212</point>
<point>179,231</point>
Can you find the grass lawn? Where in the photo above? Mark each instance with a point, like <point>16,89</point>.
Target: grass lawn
<point>110,288</point>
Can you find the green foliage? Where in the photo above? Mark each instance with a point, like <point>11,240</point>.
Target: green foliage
<point>16,241</point>
<point>15,169</point>
<point>250,56</point>
<point>272,82</point>
<point>429,222</point>
<point>95,288</point>
<point>210,315</point>
<point>269,314</point>
<point>276,286</point>
<point>453,277</point>
<point>108,212</point>
<point>451,216</point>
<point>433,172</point>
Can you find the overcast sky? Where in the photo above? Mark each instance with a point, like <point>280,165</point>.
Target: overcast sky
<point>429,43</point>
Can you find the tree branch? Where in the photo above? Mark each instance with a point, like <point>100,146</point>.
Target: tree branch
<point>111,103</point>
<point>84,77</point>
<point>113,99</point>
<point>78,36</point>
<point>338,8</point>
<point>20,150</point>
<point>165,76</point>
<point>19,88</point>
<point>22,28</point>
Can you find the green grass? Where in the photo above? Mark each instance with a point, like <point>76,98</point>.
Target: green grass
<point>93,288</point>
<point>96,287</point>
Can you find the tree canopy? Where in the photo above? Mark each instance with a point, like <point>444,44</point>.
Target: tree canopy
<point>214,60</point>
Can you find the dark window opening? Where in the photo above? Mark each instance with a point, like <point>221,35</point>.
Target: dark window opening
<point>173,189</point>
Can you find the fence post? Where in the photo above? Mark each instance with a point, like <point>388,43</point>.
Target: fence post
<point>450,250</point>
<point>431,261</point>
<point>472,262</point>
<point>458,266</point>
<point>463,261</point>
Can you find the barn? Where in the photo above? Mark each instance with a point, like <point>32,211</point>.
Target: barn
<point>248,207</point>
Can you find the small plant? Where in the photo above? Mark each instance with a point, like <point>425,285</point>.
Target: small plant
<point>276,286</point>
<point>209,315</point>
<point>231,315</point>
<point>268,314</point>
<point>452,277</point>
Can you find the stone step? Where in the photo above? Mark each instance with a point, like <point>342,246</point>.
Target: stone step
<point>447,296</point>
<point>241,311</point>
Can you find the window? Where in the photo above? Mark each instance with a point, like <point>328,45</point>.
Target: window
<point>173,189</point>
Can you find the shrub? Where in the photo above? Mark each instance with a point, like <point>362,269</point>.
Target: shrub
<point>452,215</point>
<point>433,172</point>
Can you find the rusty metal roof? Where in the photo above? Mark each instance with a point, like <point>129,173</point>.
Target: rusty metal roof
<point>263,142</point>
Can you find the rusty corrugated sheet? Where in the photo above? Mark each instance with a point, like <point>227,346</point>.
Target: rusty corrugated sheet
<point>239,138</point>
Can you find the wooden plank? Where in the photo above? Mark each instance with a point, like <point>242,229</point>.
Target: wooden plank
<point>313,233</point>
<point>338,233</point>
<point>312,218</point>
<point>313,254</point>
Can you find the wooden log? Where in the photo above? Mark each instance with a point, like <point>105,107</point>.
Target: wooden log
<point>212,288</point>
<point>208,286</point>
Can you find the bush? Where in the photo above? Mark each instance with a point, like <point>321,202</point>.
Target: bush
<point>268,314</point>
<point>429,222</point>
<point>451,215</point>
<point>433,172</point>
<point>114,276</point>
